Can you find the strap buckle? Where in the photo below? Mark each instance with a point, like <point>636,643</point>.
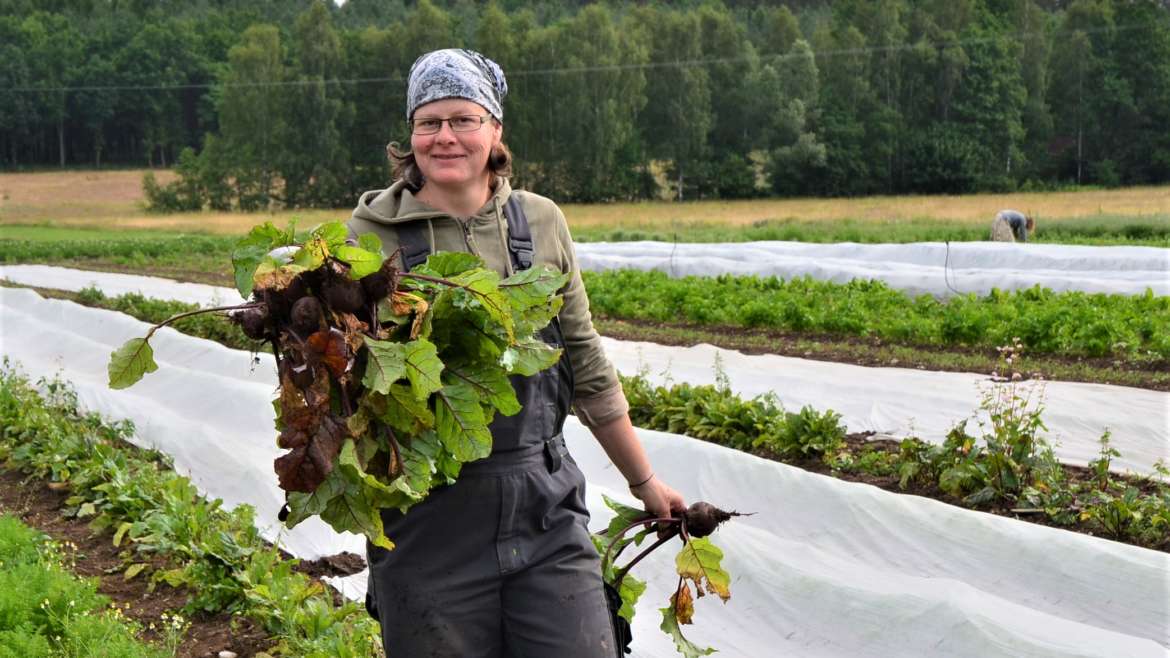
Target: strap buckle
<point>554,451</point>
<point>523,251</point>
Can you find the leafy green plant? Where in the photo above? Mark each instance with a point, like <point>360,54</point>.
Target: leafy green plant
<point>812,433</point>
<point>388,379</point>
<point>712,412</point>
<point>698,563</point>
<point>1074,323</point>
<point>156,513</point>
<point>47,611</point>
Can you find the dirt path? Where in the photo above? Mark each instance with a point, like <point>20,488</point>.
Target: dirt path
<point>94,555</point>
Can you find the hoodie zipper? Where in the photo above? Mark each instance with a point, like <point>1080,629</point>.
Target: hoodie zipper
<point>465,224</point>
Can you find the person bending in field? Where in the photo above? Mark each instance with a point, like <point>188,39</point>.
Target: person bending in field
<point>499,563</point>
<point>1011,226</point>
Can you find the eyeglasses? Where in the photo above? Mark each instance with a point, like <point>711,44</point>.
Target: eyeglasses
<point>460,124</point>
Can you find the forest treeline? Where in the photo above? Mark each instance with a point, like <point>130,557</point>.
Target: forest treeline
<point>268,102</point>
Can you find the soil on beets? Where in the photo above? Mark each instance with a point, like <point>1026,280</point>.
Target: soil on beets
<point>94,555</point>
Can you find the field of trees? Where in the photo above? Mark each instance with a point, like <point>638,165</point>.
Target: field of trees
<point>291,103</point>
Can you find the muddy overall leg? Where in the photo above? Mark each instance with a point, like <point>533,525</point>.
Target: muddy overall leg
<point>553,600</point>
<point>438,592</point>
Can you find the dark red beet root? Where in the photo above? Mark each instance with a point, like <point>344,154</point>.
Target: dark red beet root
<point>703,518</point>
<point>343,295</point>
<point>377,285</point>
<point>306,315</point>
<point>303,377</point>
<point>295,290</point>
<point>254,322</point>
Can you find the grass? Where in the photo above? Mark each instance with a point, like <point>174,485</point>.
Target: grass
<point>46,611</point>
<point>112,200</point>
<point>1095,230</point>
<point>973,209</point>
<point>81,233</point>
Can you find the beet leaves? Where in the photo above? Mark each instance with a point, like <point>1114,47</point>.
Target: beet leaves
<point>388,380</point>
<point>698,563</point>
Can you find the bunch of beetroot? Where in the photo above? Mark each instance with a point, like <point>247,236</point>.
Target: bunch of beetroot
<point>698,563</point>
<point>388,380</point>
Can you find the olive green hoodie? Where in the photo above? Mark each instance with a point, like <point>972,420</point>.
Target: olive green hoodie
<point>599,397</point>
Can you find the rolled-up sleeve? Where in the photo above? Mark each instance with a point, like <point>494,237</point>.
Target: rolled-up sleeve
<point>599,398</point>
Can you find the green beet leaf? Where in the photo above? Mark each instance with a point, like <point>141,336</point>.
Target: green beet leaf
<point>355,512</point>
<point>449,468</point>
<point>334,234</point>
<point>399,409</point>
<point>623,516</point>
<point>484,288</point>
<point>529,356</point>
<point>420,456</point>
<point>304,505</point>
<point>252,249</point>
<point>361,262</point>
<point>370,242</point>
<point>423,367</point>
<point>684,646</point>
<point>532,287</point>
<point>130,362</point>
<point>460,422</point>
<point>407,411</point>
<point>386,364</point>
<point>356,506</point>
<point>311,255</point>
<point>630,590</point>
<point>446,263</point>
<point>537,317</point>
<point>397,493</point>
<point>491,384</point>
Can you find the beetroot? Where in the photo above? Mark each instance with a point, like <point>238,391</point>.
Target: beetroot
<point>306,315</point>
<point>703,518</point>
<point>343,295</point>
<point>254,322</point>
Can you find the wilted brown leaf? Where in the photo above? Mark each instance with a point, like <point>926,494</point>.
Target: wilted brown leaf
<point>353,328</point>
<point>684,604</point>
<point>305,467</point>
<point>329,348</point>
<point>276,279</point>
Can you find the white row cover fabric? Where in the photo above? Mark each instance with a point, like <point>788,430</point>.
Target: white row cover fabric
<point>207,406</point>
<point>114,284</point>
<point>894,402</point>
<point>932,268</point>
<point>901,402</point>
<point>823,567</point>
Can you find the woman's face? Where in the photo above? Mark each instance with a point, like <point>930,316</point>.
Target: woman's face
<point>451,158</point>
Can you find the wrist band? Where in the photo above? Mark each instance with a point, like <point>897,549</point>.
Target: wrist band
<point>648,478</point>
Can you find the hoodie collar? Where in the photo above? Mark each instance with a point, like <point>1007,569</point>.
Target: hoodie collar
<point>398,204</point>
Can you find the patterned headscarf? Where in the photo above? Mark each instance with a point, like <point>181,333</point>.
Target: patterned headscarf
<point>456,73</point>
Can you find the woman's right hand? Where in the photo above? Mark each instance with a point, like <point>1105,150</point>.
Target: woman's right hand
<point>659,498</point>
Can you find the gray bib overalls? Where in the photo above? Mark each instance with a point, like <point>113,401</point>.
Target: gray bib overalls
<point>499,563</point>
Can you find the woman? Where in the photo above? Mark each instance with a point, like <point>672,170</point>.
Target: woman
<point>500,563</point>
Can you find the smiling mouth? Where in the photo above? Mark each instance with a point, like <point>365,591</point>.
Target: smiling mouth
<point>446,157</point>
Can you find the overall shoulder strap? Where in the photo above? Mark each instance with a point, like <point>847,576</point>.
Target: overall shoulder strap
<point>519,236</point>
<point>412,239</point>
